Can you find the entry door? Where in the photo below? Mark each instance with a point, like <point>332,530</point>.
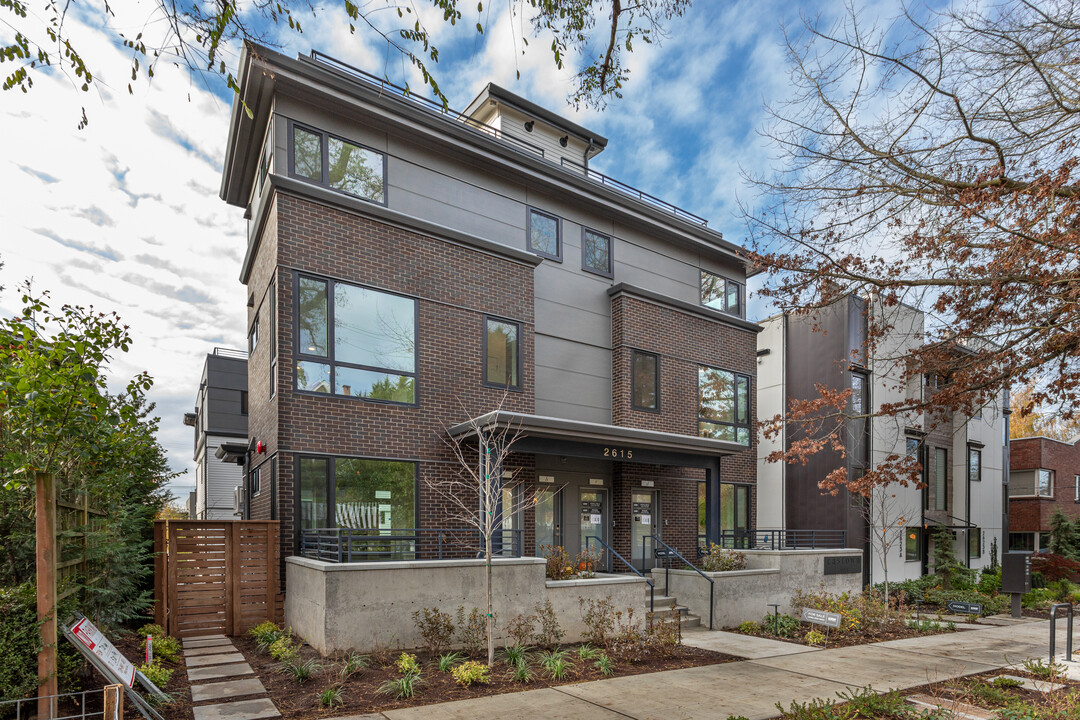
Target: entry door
<point>593,517</point>
<point>548,521</point>
<point>644,523</point>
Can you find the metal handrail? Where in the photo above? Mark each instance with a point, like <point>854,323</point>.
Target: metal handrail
<point>1068,633</point>
<point>652,584</point>
<point>231,353</point>
<point>779,539</point>
<point>371,544</point>
<point>667,567</point>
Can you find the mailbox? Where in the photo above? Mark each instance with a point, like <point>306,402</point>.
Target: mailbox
<point>1016,572</point>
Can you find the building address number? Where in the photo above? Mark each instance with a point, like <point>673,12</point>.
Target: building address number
<point>618,453</point>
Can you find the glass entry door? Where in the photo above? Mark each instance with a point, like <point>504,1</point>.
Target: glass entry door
<point>548,526</point>
<point>593,520</point>
<point>643,524</point>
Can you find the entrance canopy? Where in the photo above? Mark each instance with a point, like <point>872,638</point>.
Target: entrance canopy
<point>574,438</point>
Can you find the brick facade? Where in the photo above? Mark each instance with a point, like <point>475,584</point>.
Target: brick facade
<point>1034,514</point>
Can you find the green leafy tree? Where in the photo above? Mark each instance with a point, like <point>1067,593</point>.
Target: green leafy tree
<point>595,35</point>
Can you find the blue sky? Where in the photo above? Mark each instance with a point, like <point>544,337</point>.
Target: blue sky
<point>124,214</point>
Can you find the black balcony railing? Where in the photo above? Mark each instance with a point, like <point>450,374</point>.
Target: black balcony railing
<point>778,539</point>
<point>372,545</point>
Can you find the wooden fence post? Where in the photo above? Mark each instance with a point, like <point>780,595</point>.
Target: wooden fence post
<point>114,702</point>
<point>45,525</point>
<point>161,592</point>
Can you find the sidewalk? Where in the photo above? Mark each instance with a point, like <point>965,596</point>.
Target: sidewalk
<point>779,672</point>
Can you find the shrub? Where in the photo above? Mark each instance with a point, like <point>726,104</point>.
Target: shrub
<point>587,652</point>
<point>664,634</point>
<point>719,559</point>
<point>513,654</point>
<point>556,664</point>
<point>166,648</point>
<point>449,660</point>
<point>629,643</point>
<point>749,627</point>
<point>520,630</point>
<point>522,672</point>
<point>989,582</point>
<point>866,702</point>
<point>780,625</point>
<point>815,637</point>
<point>1043,669</point>
<point>605,665</point>
<point>435,627</point>
<point>817,709</point>
<point>559,566</point>
<point>152,630</point>
<point>265,633</point>
<point>859,612</point>
<point>1055,567</point>
<point>283,649</point>
<point>401,688</point>
<point>550,632</point>
<point>353,663</point>
<point>20,640</point>
<point>301,672</point>
<point>587,562</point>
<point>156,673</point>
<point>471,672</point>
<point>472,630</point>
<point>331,697</point>
<point>406,664</point>
<point>599,619</point>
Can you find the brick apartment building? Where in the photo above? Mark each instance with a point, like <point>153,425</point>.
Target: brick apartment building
<point>1044,477</point>
<point>408,268</point>
<point>962,457</point>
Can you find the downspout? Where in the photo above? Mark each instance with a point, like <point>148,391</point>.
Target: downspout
<point>967,492</point>
<point>1005,473</point>
<point>588,150</point>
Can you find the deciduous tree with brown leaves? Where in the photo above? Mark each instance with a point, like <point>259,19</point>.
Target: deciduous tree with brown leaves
<point>931,163</point>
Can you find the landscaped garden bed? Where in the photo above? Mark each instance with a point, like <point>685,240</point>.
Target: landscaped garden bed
<point>1008,698</point>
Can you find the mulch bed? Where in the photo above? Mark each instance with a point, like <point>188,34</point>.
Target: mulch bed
<point>849,639</point>
<point>360,692</point>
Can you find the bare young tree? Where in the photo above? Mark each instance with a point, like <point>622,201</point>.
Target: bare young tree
<point>483,491</point>
<point>886,519</point>
<point>932,163</point>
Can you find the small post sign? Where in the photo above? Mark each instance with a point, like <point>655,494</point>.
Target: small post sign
<point>820,617</point>
<point>964,608</point>
<point>105,651</point>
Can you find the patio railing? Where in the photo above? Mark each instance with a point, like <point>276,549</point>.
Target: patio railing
<point>373,545</point>
<point>778,539</point>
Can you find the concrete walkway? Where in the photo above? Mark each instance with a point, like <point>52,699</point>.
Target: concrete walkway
<point>218,672</point>
<point>780,672</point>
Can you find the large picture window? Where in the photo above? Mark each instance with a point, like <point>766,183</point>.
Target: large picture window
<point>646,381</point>
<point>723,405</point>
<point>720,293</point>
<point>377,495</point>
<point>974,464</point>
<point>544,236</point>
<point>502,353</point>
<point>363,344</point>
<point>338,164</point>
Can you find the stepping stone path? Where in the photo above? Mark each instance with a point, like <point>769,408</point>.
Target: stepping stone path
<point>957,709</point>
<point>222,683</point>
<point>1037,685</point>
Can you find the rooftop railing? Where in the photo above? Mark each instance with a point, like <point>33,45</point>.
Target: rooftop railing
<point>440,109</point>
<point>374,545</point>
<point>230,353</point>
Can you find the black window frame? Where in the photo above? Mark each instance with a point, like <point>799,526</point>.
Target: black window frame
<point>749,404</point>
<point>656,379</point>
<point>974,449</point>
<point>529,210</point>
<point>331,486</point>
<point>944,483</point>
<point>741,313</point>
<point>253,334</point>
<point>919,538</point>
<point>328,359</point>
<point>484,354</point>
<point>272,309</point>
<point>974,533</point>
<point>610,272</point>
<point>243,402</point>
<point>324,146</point>
<point>256,480</point>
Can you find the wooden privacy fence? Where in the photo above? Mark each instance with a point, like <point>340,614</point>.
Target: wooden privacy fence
<point>216,576</point>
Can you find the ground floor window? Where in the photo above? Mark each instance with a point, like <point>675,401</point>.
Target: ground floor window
<point>357,493</point>
<point>734,515</point>
<point>974,542</point>
<point>913,545</point>
<point>1022,542</point>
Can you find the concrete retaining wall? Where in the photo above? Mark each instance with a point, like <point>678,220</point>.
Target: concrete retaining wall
<point>772,576</point>
<point>365,606</point>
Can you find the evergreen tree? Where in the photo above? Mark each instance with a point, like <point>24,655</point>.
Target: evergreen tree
<point>1063,536</point>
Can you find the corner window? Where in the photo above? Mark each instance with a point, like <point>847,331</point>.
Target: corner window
<point>913,545</point>
<point>723,405</point>
<point>596,253</point>
<point>974,464</point>
<point>502,353</point>
<point>544,235</point>
<point>645,379</point>
<point>1031,483</point>
<point>376,495</point>
<point>974,542</point>
<point>363,344</point>
<point>337,164</point>
<point>1046,483</point>
<point>720,293</point>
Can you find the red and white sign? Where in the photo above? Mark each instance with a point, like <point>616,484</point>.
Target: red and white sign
<point>98,644</point>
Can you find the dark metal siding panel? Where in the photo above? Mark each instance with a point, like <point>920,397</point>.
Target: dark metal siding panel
<point>226,381</point>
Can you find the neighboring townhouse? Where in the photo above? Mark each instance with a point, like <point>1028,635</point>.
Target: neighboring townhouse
<point>409,268</point>
<point>962,458</point>
<point>1044,477</point>
<point>220,419</point>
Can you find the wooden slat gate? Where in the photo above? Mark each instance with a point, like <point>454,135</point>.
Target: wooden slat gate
<point>216,576</point>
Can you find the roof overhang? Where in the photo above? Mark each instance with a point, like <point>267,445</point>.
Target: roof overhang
<point>232,452</point>
<point>577,433</point>
<point>526,107</point>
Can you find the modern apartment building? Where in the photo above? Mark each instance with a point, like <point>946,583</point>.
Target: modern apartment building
<point>410,268</point>
<point>962,457</point>
<point>220,418</point>
<point>1044,479</point>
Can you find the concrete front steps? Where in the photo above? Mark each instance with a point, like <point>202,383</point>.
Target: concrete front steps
<point>668,606</point>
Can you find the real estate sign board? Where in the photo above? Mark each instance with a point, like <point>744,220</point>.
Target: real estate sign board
<point>820,617</point>
<point>96,642</point>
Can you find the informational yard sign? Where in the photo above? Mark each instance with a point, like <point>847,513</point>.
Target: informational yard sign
<point>85,632</point>
<point>820,617</point>
<point>965,608</point>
